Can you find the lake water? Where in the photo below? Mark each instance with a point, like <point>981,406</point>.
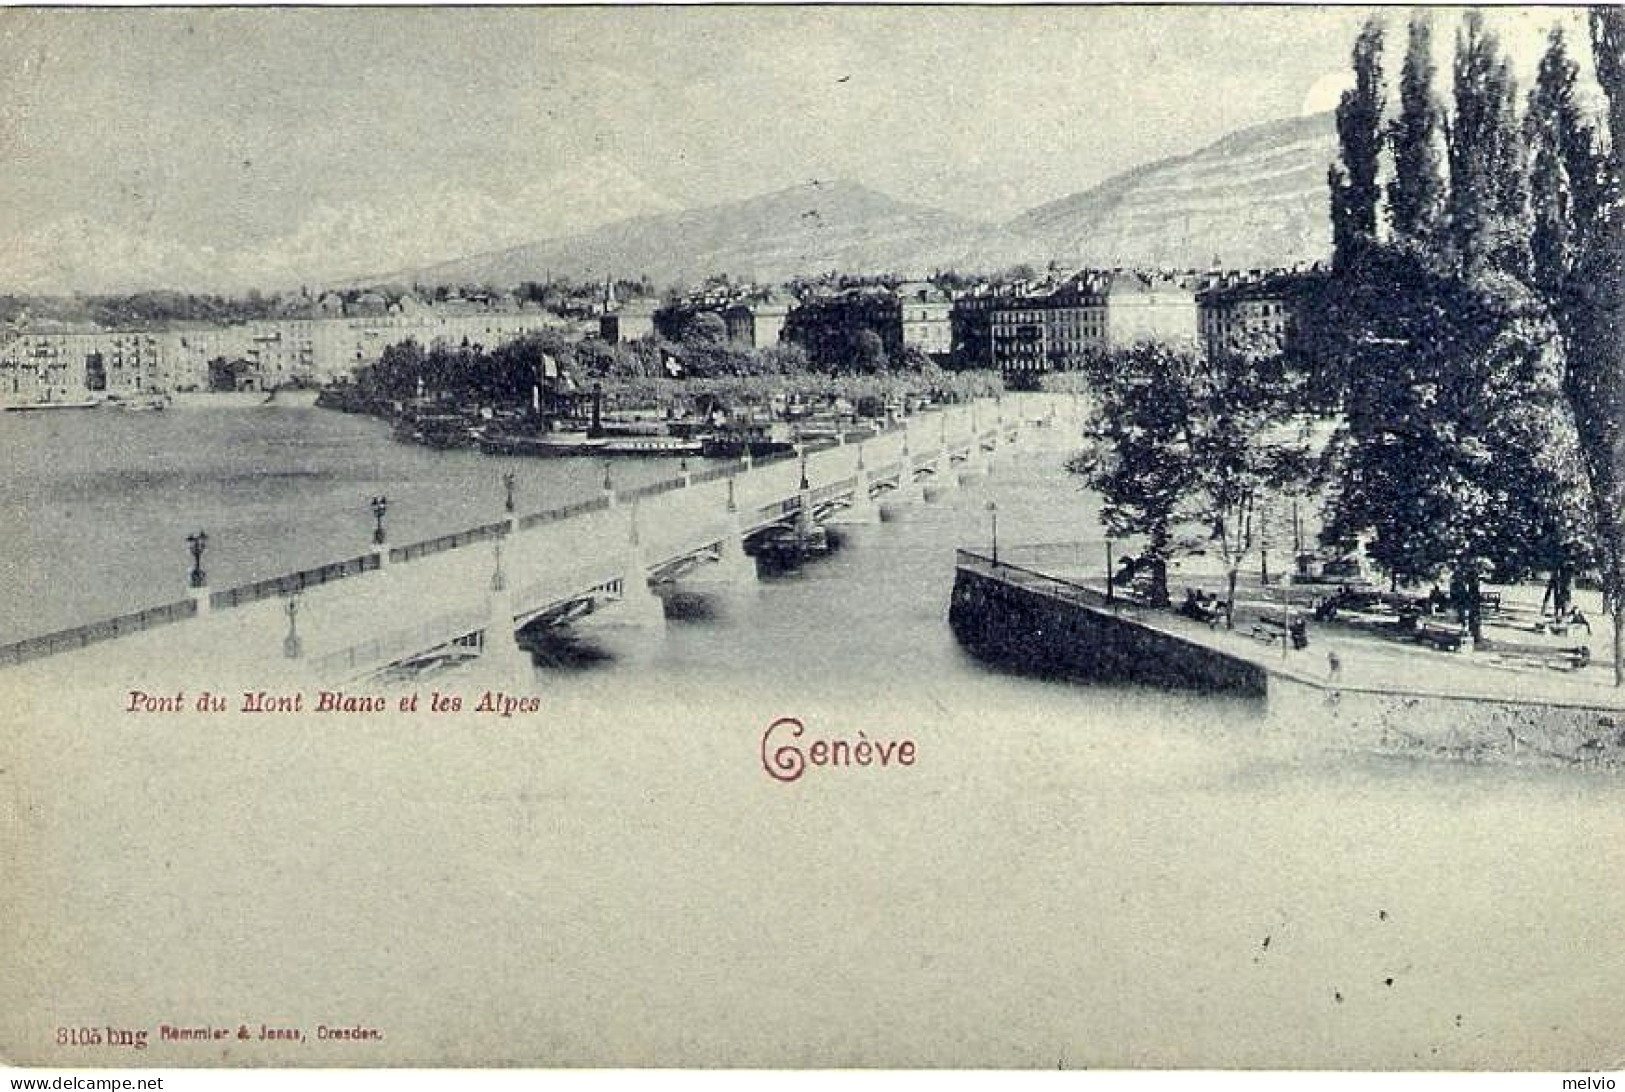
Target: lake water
<point>1068,875</point>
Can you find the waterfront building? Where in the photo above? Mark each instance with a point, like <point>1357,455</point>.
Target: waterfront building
<point>52,364</point>
<point>75,364</point>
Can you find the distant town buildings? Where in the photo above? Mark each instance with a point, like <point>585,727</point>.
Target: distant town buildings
<point>1052,323</point>
<point>1026,327</point>
<point>66,365</point>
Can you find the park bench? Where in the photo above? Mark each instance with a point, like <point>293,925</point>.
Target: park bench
<point>1575,656</point>
<point>1445,638</point>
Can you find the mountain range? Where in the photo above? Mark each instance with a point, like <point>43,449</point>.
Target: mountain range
<point>1256,198</point>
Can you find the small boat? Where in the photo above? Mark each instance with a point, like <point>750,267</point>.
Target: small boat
<point>754,440</point>
<point>138,405</point>
<point>437,430</point>
<point>26,407</point>
<point>650,446</point>
<point>550,445</point>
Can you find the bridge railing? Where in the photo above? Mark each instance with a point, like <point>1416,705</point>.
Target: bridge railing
<point>66,640</point>
<point>652,489</point>
<point>568,511</point>
<point>482,533</point>
<point>712,473</point>
<point>833,489</point>
<point>292,582</point>
<point>403,643</point>
<point>773,457</point>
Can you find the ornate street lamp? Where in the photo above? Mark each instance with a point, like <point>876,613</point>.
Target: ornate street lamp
<point>198,543</point>
<point>291,645</point>
<point>804,483</point>
<point>380,505</point>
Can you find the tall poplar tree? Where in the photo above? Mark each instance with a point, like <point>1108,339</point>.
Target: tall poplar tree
<point>1596,372</point>
<point>1416,195</point>
<point>1565,171</point>
<point>1353,181</point>
<point>1488,197</point>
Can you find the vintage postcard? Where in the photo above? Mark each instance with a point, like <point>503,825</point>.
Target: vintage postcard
<point>803,537</point>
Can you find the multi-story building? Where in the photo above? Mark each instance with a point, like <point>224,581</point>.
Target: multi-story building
<point>830,325</point>
<point>629,321</point>
<point>72,365</point>
<point>56,365</point>
<point>927,325</point>
<point>757,324</point>
<point>753,320</point>
<point>1051,324</point>
<point>1258,312</point>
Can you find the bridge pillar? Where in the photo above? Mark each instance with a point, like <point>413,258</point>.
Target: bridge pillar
<point>501,658</point>
<point>734,566</point>
<point>863,508</point>
<point>943,480</point>
<point>639,604</point>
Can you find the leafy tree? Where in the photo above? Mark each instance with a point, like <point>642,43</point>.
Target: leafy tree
<point>1458,451</point>
<point>1416,195</point>
<point>868,351</point>
<point>1179,441</point>
<point>1353,181</point>
<point>1138,453</point>
<point>705,328</point>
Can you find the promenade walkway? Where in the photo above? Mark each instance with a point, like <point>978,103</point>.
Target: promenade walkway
<point>1364,662</point>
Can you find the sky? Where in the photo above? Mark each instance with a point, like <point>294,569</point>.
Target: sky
<point>222,148</point>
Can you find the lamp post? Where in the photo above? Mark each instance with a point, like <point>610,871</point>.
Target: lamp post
<point>380,505</point>
<point>198,543</point>
<point>507,485</point>
<point>993,514</point>
<point>291,645</point>
<point>802,448</point>
<point>1110,596</point>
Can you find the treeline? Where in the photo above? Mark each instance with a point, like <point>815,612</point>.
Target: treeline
<point>1469,335</point>
<point>504,376</point>
<point>635,374</point>
<point>139,309</point>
